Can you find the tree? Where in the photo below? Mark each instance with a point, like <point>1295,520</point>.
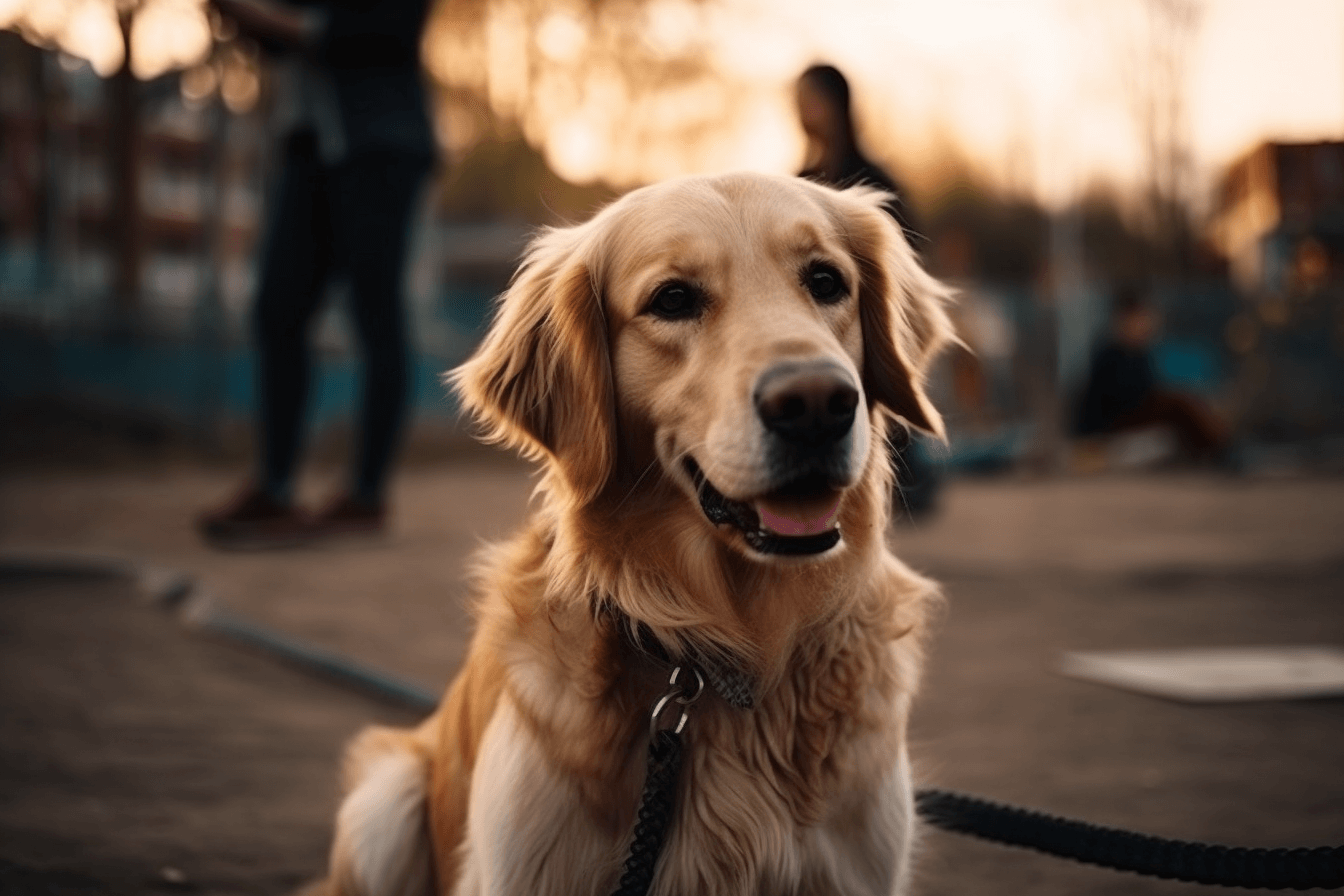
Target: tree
<point>617,91</point>
<point>1154,69</point>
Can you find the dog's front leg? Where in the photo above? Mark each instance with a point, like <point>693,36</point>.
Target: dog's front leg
<point>866,847</point>
<point>528,833</point>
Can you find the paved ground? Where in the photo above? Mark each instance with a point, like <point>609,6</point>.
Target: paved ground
<point>140,757</point>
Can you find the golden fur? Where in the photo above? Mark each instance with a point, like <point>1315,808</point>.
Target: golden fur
<point>526,779</point>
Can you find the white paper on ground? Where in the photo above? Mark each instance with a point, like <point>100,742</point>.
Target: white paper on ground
<point>1216,675</point>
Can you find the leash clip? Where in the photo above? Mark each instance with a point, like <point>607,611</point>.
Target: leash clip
<point>680,691</point>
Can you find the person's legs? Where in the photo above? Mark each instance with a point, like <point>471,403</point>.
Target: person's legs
<point>373,200</point>
<point>293,275</point>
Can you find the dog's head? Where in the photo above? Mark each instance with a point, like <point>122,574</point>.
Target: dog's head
<point>737,336</point>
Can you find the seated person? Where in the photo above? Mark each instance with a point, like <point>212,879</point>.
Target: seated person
<point>1123,394</point>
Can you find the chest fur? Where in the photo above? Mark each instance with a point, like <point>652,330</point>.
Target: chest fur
<point>805,793</point>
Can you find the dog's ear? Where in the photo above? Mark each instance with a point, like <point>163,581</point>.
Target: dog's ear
<point>540,382</point>
<point>902,311</point>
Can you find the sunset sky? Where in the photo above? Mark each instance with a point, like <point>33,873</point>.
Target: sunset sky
<point>1043,79</point>
<point>1032,91</point>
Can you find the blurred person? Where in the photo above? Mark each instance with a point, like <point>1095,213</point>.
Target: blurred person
<point>833,154</point>
<point>834,158</point>
<point>1123,393</point>
<point>356,148</point>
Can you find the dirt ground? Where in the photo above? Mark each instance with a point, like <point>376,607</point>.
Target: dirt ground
<point>140,756</point>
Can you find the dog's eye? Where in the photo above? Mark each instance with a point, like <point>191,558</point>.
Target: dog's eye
<point>676,300</point>
<point>825,283</point>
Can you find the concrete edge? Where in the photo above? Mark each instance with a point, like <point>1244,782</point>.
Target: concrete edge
<point>198,610</point>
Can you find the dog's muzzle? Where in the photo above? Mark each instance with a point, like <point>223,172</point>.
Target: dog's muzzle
<point>722,510</point>
<point>807,409</point>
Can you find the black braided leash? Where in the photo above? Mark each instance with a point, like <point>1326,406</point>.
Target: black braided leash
<point>684,687</point>
<point>655,814</point>
<point>1201,863</point>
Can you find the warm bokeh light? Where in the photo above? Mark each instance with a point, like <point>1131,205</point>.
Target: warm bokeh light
<point>91,32</point>
<point>165,34</point>
<point>622,92</point>
<point>86,29</point>
<point>44,21</point>
<point>198,83</point>
<point>561,37</point>
<point>1037,95</point>
<point>168,35</point>
<point>240,84</point>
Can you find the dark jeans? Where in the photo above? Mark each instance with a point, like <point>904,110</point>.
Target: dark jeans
<point>352,218</point>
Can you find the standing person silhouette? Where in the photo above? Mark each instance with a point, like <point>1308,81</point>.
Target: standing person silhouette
<point>357,146</point>
<point>833,154</point>
<point>834,158</point>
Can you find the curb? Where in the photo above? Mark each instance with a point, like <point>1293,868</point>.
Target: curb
<point>199,611</point>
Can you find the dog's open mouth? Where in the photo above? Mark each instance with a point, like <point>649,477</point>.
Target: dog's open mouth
<point>799,519</point>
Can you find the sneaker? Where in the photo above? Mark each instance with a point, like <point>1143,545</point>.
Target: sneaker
<point>347,515</point>
<point>254,520</point>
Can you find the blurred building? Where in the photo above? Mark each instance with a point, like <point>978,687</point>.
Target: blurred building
<point>1279,218</point>
<point>197,181</point>
<point>177,342</point>
<point>1279,215</point>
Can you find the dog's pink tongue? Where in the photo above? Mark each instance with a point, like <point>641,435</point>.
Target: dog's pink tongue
<point>798,517</point>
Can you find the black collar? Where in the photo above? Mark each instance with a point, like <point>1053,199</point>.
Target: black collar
<point>726,678</point>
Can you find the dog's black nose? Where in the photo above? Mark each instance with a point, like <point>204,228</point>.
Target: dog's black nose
<point>807,403</point>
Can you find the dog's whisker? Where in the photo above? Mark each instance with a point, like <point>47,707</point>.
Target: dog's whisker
<point>635,486</point>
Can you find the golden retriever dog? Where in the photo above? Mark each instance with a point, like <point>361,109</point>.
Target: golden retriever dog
<point>704,372</point>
